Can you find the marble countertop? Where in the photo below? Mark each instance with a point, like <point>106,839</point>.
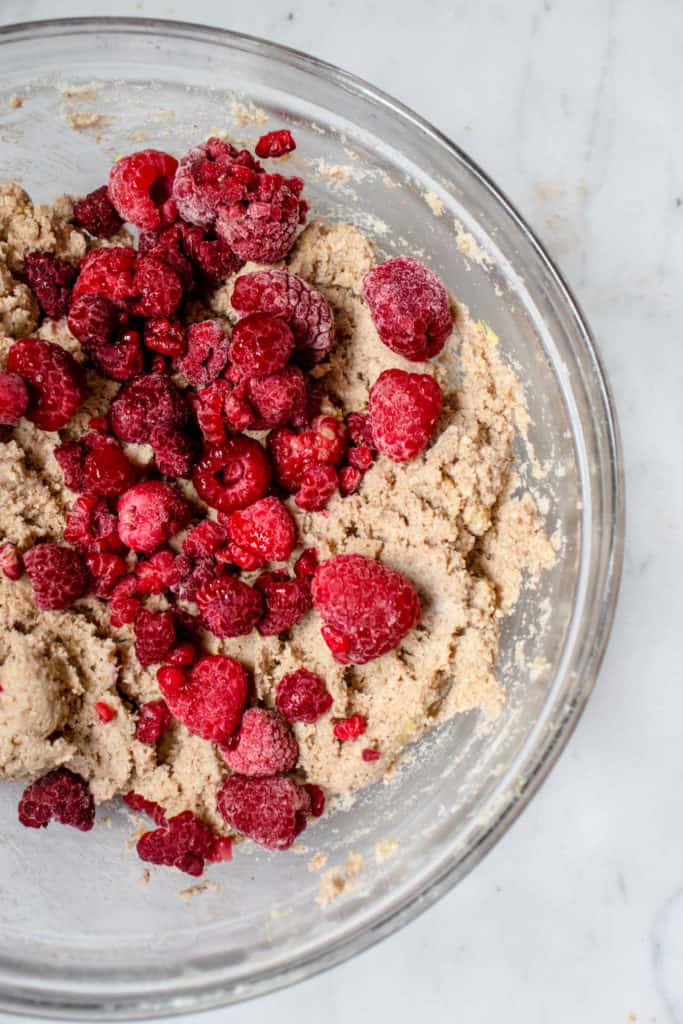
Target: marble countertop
<point>573,107</point>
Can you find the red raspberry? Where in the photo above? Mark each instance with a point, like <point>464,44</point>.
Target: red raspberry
<point>93,320</point>
<point>358,426</point>
<point>106,570</point>
<point>157,573</point>
<point>271,811</point>
<point>58,574</point>
<point>11,563</point>
<point>367,607</point>
<point>264,745</point>
<point>286,601</point>
<point>210,699</point>
<point>121,359</point>
<point>409,307</point>
<point>262,225</point>
<point>241,557</point>
<point>370,754</point>
<point>154,636</point>
<point>275,144</point>
<point>182,655</point>
<point>109,272</point>
<point>124,603</point>
<point>150,513</point>
<point>317,798</point>
<point>261,344</point>
<point>302,696</point>
<point>138,803</point>
<point>55,381</point>
<point>91,525</point>
<point>207,353</point>
<point>205,539</point>
<point>265,528</point>
<point>62,795</point>
<point>349,728</point>
<point>209,407</point>
<point>262,403</point>
<point>361,457</point>
<point>158,286</point>
<point>291,454</point>
<point>229,607</point>
<point>349,480</point>
<point>51,281</point>
<point>166,246</point>
<point>140,187</point>
<point>14,398</point>
<point>191,574</point>
<point>105,712</point>
<point>107,471</point>
<point>306,564</point>
<point>221,850</point>
<point>207,175</point>
<point>100,424</point>
<point>212,257</point>
<point>330,439</point>
<point>145,407</point>
<point>184,842</point>
<point>232,475</point>
<point>318,484</point>
<point>175,453</point>
<point>165,336</point>
<point>404,409</point>
<point>283,294</point>
<point>96,215</point>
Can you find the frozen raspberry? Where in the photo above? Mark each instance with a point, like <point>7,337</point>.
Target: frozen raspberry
<point>210,698</point>
<point>54,378</point>
<point>51,281</point>
<point>262,225</point>
<point>286,601</point>
<point>270,811</point>
<point>156,573</point>
<point>58,574</point>
<point>14,398</point>
<point>184,842</point>
<point>167,246</point>
<point>175,453</point>
<point>124,602</point>
<point>262,403</point>
<point>221,850</point>
<point>91,525</point>
<point>121,359</point>
<point>207,175</point>
<point>106,570</point>
<point>96,215</point>
<point>209,407</point>
<point>233,475</point>
<point>361,457</point>
<point>182,655</point>
<point>306,564</point>
<point>367,607</point>
<point>291,454</point>
<point>140,187</point>
<point>205,539</point>
<point>229,607</point>
<point>283,294</point>
<point>158,286</point>
<point>207,353</point>
<point>109,272</point>
<point>358,426</point>
<point>11,563</point>
<point>154,636</point>
<point>105,712</point>
<point>145,407</point>
<point>261,344</point>
<point>190,574</point>
<point>370,754</point>
<point>150,513</point>
<point>349,728</point>
<point>302,696</point>
<point>149,807</point>
<point>317,798</point>
<point>107,471</point>
<point>236,409</point>
<point>264,745</point>
<point>62,795</point>
<point>100,424</point>
<point>165,336</point>
<point>265,528</point>
<point>318,484</point>
<point>241,557</point>
<point>93,320</point>
<point>349,480</point>
<point>212,257</point>
<point>404,409</point>
<point>275,144</point>
<point>409,307</point>
<point>330,439</point>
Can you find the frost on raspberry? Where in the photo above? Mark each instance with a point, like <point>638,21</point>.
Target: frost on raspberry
<point>184,842</point>
<point>140,188</point>
<point>14,398</point>
<point>233,475</point>
<point>54,378</point>
<point>207,353</point>
<point>260,344</point>
<point>205,539</point>
<point>62,795</point>
<point>147,406</point>
<point>229,607</point>
<point>261,225</point>
<point>109,272</point>
<point>409,306</point>
<point>96,214</point>
<point>264,745</point>
<point>155,635</point>
<point>158,288</point>
<point>150,513</point>
<point>209,174</point>
<point>191,573</point>
<point>51,280</point>
<point>210,698</point>
<point>93,320</point>
<point>271,811</point>
<point>404,410</point>
<point>58,574</point>
<point>157,573</point>
<point>283,294</point>
<point>287,600</point>
<point>265,529</point>
<point>301,696</point>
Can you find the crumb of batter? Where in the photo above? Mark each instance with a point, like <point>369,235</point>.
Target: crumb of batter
<point>384,849</point>
<point>317,861</point>
<point>434,203</point>
<point>15,101</point>
<point>339,880</point>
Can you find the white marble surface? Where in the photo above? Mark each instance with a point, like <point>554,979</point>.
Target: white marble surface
<point>573,106</point>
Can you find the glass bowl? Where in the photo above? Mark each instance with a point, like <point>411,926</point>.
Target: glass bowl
<point>80,936</point>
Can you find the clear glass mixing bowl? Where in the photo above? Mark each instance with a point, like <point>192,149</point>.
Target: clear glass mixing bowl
<point>79,935</point>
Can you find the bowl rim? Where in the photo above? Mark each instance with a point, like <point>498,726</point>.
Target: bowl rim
<point>73,1002</point>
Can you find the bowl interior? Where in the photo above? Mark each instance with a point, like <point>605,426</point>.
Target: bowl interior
<point>78,928</point>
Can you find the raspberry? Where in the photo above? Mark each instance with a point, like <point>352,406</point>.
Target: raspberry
<point>96,215</point>
<point>55,380</point>
<point>265,528</point>
<point>138,803</point>
<point>291,454</point>
<point>140,187</point>
<point>370,754</point>
<point>165,336</point>
<point>175,453</point>
<point>58,574</point>
<point>109,272</point>
<point>409,307</point>
<point>182,655</point>
<point>233,475</point>
<point>11,564</point>
<point>105,712</point>
<point>206,175</point>
<point>121,359</point>
<point>106,569</point>
<point>330,439</point>
<point>317,798</point>
<point>264,745</point>
<point>305,310</point>
<point>14,398</point>
<point>207,353</point>
<point>229,607</point>
<point>158,286</point>
<point>306,564</point>
<point>275,144</point>
<point>302,696</point>
<point>404,409</point>
<point>150,513</point>
<point>209,407</point>
<point>277,399</point>
<point>62,795</point>
<point>145,407</point>
<point>107,471</point>
<point>91,525</point>
<point>93,320</point>
<point>349,480</point>
<point>221,850</point>
<point>51,281</point>
<point>154,636</point>
<point>318,484</point>
<point>191,574</point>
<point>261,344</point>
<point>124,604</point>
<point>358,426</point>
<point>204,539</point>
<point>210,699</point>
<point>361,457</point>
<point>262,225</point>
<point>100,424</point>
<point>157,573</point>
<point>349,728</point>
<point>367,607</point>
<point>212,257</point>
<point>286,601</point>
<point>270,811</point>
<point>184,842</point>
<point>166,246</point>
<point>241,557</point>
